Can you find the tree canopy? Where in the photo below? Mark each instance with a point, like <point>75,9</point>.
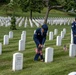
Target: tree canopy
<point>69,5</point>
<point>59,4</point>
<point>31,5</point>
<point>34,5</point>
<point>4,1</point>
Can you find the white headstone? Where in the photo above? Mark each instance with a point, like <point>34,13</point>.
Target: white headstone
<point>68,23</point>
<point>50,35</point>
<point>48,54</point>
<point>6,40</point>
<point>24,32</point>
<point>64,23</point>
<point>17,61</point>
<point>62,34</point>
<point>31,24</point>
<point>21,45</point>
<point>64,30</point>
<point>23,35</point>
<point>55,31</point>
<point>72,51</point>
<point>72,73</point>
<point>0,48</point>
<point>25,25</point>
<point>35,22</point>
<point>58,41</point>
<point>10,34</point>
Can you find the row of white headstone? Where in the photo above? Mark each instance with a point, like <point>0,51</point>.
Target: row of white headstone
<point>72,51</point>
<point>22,41</point>
<point>18,20</point>
<point>56,21</point>
<point>7,37</point>
<point>51,21</point>
<point>6,21</point>
<point>25,25</point>
<point>6,40</point>
<point>21,22</point>
<point>18,59</point>
<point>10,36</point>
<point>17,63</point>
<point>37,24</point>
<point>59,38</point>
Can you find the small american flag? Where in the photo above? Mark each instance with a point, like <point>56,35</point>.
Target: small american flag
<point>64,48</point>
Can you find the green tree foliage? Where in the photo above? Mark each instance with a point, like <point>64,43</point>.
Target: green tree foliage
<point>12,6</point>
<point>31,5</point>
<point>4,1</point>
<point>13,23</point>
<point>68,5</point>
<point>59,4</point>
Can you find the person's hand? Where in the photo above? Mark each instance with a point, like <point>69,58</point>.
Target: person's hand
<point>40,45</point>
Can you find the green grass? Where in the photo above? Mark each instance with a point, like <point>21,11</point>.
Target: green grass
<point>61,65</point>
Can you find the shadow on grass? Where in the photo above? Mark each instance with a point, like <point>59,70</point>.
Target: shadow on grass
<point>61,53</point>
<point>11,50</point>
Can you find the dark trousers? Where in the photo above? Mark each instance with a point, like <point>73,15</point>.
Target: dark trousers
<point>74,39</point>
<point>38,53</point>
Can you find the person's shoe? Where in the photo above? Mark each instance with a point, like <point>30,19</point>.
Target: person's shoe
<point>36,57</point>
<point>42,60</point>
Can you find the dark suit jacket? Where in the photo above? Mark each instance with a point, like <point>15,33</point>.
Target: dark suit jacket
<point>39,38</point>
<point>74,28</point>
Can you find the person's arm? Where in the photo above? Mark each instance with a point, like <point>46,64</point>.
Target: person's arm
<point>73,28</point>
<point>35,38</point>
<point>44,39</point>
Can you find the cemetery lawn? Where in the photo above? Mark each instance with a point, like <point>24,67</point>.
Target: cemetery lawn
<point>61,65</point>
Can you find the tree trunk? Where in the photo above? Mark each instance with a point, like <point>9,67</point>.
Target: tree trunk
<point>46,16</point>
<point>31,14</point>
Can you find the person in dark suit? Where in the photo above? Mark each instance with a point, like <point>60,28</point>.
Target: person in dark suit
<point>39,39</point>
<point>74,31</point>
